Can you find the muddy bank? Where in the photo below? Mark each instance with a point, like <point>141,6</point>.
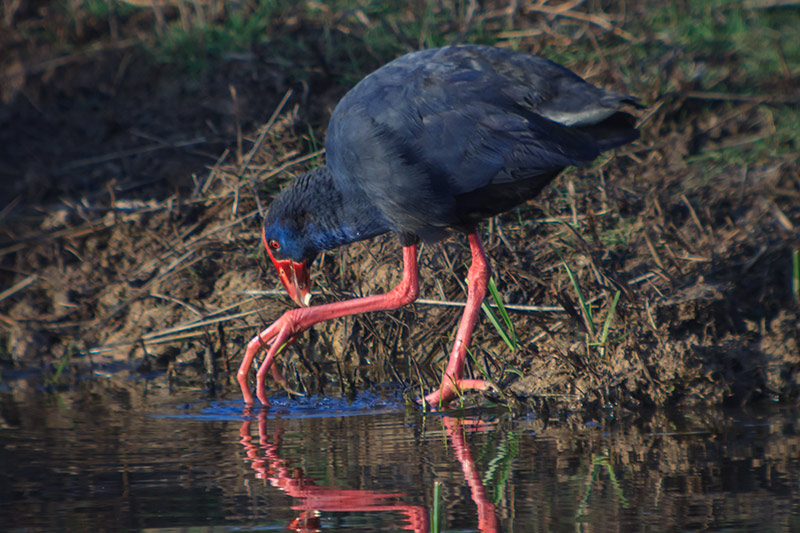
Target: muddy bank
<point>130,236</point>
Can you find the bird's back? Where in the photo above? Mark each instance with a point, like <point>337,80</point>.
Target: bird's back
<point>442,138</point>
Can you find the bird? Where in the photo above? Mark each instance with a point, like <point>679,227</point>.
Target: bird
<point>429,145</point>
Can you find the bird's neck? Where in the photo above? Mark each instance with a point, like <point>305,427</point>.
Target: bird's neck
<point>338,214</point>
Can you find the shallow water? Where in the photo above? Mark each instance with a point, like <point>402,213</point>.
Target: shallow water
<point>87,462</point>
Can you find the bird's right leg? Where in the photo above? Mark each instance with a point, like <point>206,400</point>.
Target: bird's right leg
<point>294,322</point>
<point>253,347</point>
<point>477,283</point>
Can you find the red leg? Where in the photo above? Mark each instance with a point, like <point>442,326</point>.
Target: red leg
<point>294,322</point>
<point>477,281</point>
<point>487,518</point>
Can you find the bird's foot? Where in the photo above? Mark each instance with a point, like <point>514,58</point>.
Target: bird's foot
<point>280,333</point>
<point>452,389</point>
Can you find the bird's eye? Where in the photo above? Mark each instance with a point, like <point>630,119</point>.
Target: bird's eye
<point>275,245</point>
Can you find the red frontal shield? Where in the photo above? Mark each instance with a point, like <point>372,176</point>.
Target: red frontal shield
<point>295,278</point>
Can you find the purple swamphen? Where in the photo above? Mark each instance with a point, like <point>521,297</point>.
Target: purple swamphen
<point>434,141</point>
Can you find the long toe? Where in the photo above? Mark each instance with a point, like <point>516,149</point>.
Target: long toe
<point>450,391</point>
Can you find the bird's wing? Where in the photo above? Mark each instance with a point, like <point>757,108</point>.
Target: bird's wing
<point>481,144</point>
<point>551,90</point>
<point>530,81</point>
<point>441,123</point>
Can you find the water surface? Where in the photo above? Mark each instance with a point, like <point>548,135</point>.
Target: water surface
<point>84,461</point>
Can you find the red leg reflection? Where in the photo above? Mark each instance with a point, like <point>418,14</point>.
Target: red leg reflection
<point>313,499</point>
<point>487,519</point>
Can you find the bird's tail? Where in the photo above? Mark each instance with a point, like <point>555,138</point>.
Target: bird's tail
<point>616,130</point>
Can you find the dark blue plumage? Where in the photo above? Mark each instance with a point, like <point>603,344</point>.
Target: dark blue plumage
<point>440,139</point>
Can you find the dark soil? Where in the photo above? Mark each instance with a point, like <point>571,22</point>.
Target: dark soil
<point>129,233</point>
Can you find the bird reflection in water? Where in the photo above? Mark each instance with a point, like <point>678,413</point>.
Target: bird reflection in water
<point>312,500</point>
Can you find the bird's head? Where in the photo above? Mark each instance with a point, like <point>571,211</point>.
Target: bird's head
<point>291,259</point>
<point>300,223</point>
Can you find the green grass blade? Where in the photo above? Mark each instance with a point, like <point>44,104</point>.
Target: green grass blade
<point>609,318</point>
<point>498,300</point>
<point>479,367</point>
<point>587,309</point>
<point>506,333</point>
<point>436,511</point>
<point>499,327</point>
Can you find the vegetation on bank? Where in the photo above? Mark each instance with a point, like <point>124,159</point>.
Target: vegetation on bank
<point>139,150</point>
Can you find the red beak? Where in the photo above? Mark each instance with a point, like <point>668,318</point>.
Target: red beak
<point>295,279</point>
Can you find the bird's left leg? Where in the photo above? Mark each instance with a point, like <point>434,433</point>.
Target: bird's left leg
<point>477,282</point>
<point>294,322</point>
